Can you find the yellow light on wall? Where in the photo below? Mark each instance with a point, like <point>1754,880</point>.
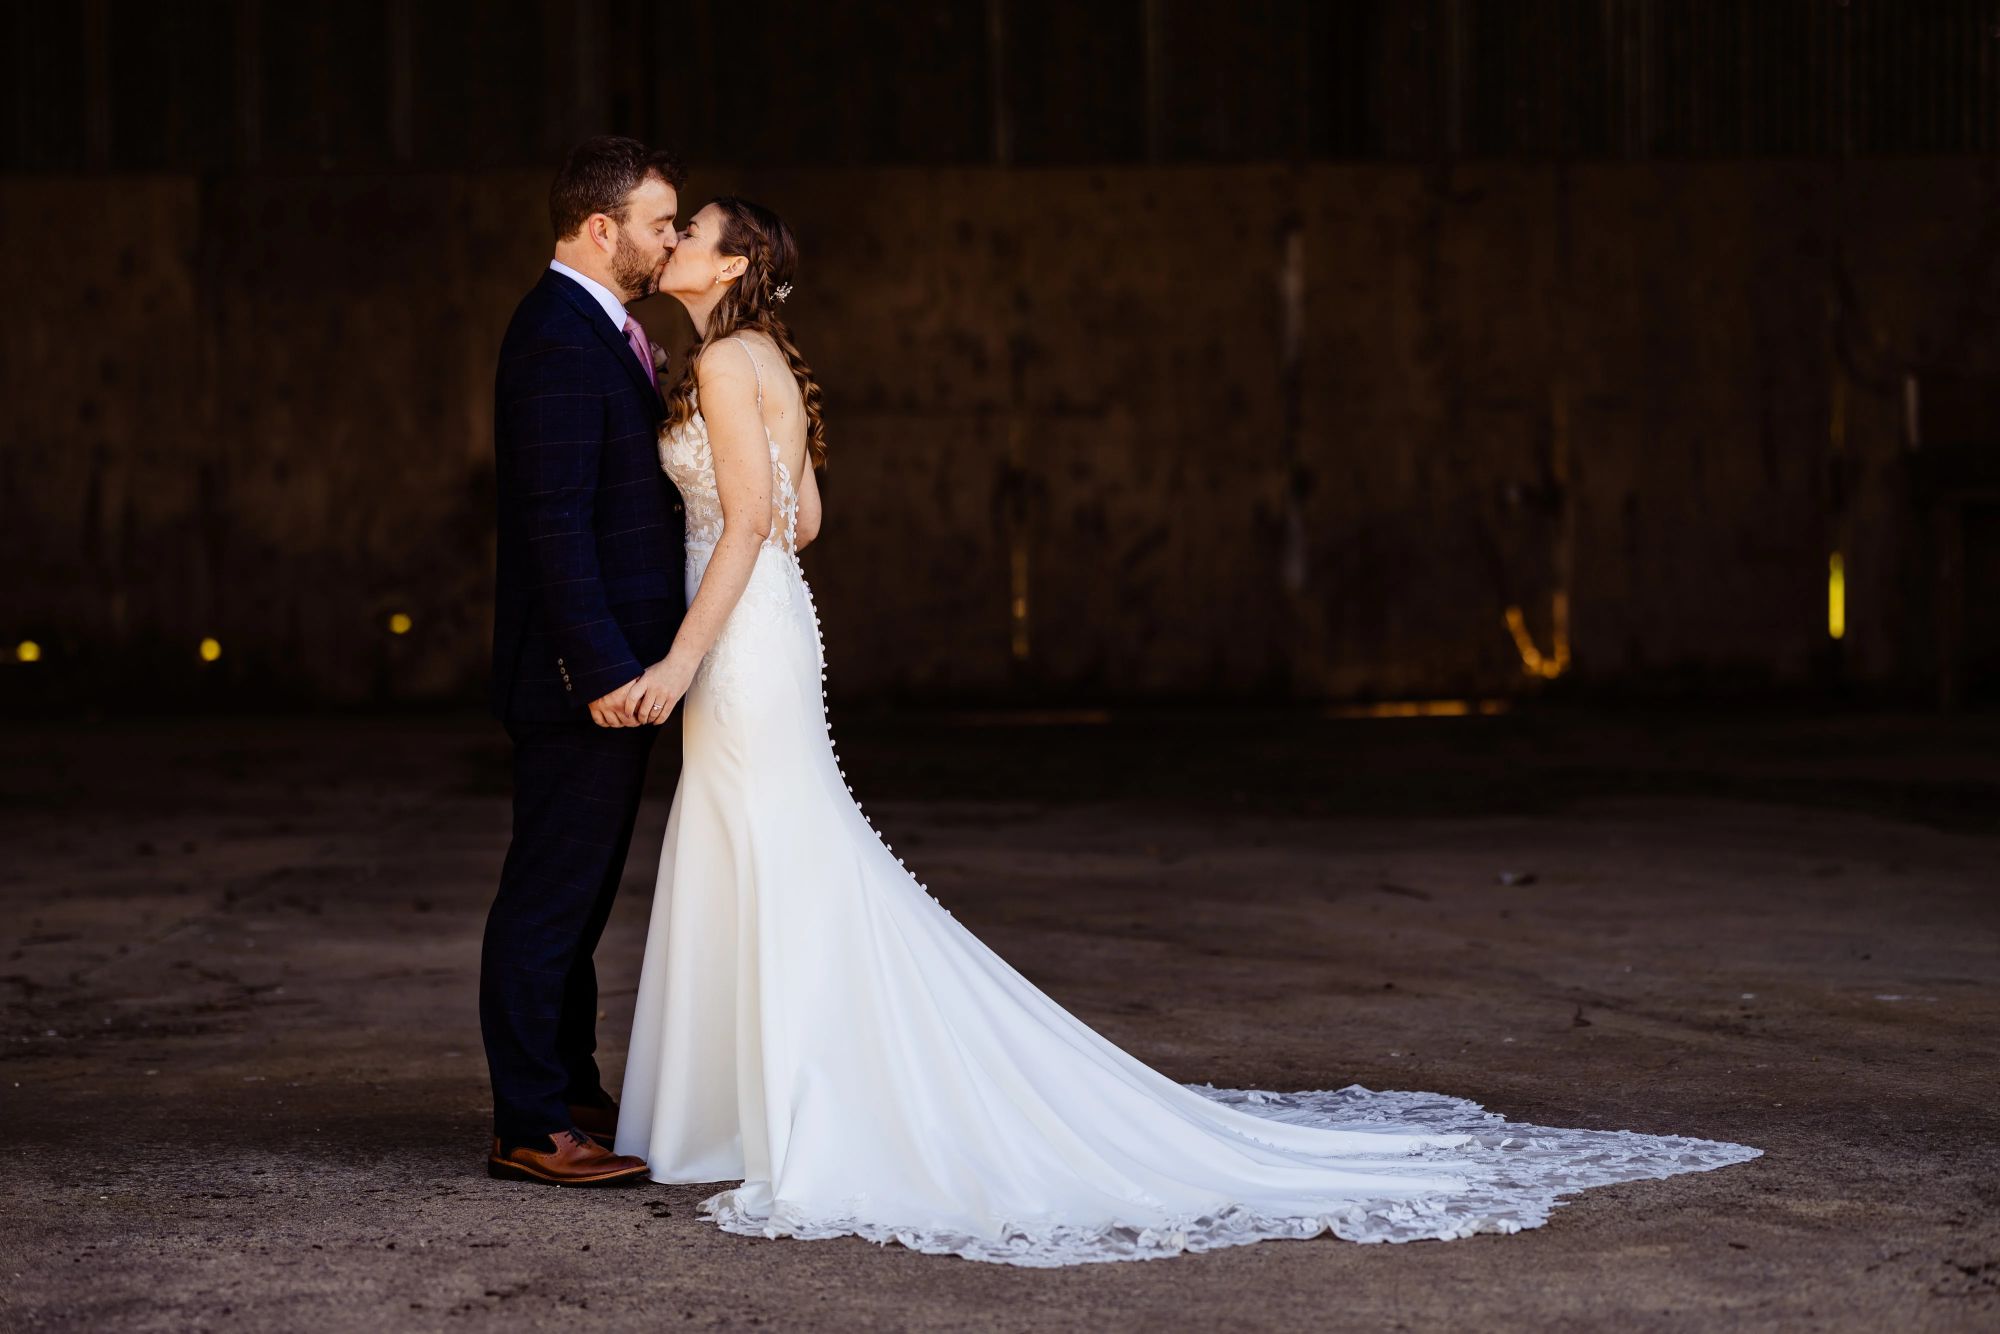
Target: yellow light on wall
<point>211,649</point>
<point>399,623</point>
<point>1535,662</point>
<point>1836,596</point>
<point>1420,708</point>
<point>27,651</point>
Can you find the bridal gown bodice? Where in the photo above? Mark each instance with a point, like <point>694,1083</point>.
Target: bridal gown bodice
<point>812,1024</point>
<point>776,596</point>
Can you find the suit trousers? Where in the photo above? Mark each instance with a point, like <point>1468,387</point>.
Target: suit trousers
<point>576,797</point>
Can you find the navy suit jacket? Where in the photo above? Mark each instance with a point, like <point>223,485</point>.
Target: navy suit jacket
<point>589,589</point>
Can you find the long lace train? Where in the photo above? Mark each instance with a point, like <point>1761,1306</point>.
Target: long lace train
<point>1514,1176</point>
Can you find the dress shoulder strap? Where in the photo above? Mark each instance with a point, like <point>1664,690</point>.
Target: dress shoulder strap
<point>738,339</point>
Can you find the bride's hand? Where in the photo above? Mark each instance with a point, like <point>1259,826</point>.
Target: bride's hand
<point>652,697</point>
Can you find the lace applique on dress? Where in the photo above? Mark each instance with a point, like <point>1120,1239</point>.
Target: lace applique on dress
<point>1511,1177</point>
<point>688,458</point>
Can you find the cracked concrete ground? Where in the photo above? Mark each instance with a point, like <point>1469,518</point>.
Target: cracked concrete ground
<point>243,1090</point>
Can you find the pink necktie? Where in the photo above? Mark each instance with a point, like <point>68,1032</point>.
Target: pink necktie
<point>635,334</point>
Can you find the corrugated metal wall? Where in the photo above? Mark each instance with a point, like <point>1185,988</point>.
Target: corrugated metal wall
<point>214,85</point>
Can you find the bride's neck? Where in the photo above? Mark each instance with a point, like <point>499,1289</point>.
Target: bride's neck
<point>702,305</point>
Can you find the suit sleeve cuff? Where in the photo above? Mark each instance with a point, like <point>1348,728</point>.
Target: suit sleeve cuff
<point>586,686</point>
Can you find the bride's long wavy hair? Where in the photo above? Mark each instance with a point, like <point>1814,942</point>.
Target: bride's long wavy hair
<point>761,237</point>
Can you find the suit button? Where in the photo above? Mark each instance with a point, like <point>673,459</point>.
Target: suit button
<point>678,508</point>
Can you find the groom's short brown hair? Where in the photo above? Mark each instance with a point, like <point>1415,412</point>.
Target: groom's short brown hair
<point>600,174</point>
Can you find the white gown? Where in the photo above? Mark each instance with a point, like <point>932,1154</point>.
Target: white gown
<point>813,1024</point>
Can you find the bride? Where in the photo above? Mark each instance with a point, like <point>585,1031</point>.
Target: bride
<point>812,1024</point>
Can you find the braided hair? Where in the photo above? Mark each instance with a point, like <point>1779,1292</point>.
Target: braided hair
<point>751,302</point>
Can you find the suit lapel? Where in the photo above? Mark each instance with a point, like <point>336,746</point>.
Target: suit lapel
<point>608,333</point>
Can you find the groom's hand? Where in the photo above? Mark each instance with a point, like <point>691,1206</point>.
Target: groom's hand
<point>614,709</point>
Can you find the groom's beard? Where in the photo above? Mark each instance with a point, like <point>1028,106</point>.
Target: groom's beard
<point>632,270</point>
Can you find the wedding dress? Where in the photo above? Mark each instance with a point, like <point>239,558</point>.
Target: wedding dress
<point>812,1023</point>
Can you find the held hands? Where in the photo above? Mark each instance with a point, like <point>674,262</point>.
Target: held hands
<point>645,700</point>
<point>612,710</point>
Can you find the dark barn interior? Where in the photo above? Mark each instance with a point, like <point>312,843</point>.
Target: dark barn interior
<point>1440,544</point>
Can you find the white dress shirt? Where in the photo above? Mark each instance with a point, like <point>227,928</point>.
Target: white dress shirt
<point>605,296</point>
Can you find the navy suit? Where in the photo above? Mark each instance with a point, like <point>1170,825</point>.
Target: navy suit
<point>589,592</point>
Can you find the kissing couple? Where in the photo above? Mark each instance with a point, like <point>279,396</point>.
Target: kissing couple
<point>814,1032</point>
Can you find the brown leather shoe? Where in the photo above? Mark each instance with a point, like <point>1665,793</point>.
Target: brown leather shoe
<point>600,1123</point>
<point>576,1160</point>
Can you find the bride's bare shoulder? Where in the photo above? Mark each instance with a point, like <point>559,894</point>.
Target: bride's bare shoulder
<point>723,363</point>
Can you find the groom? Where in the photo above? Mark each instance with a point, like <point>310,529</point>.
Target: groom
<point>589,590</point>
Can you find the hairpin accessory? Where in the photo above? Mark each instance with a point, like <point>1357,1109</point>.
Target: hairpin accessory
<point>781,291</point>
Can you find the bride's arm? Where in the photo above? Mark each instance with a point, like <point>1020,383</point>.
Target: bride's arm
<point>809,506</point>
<point>728,395</point>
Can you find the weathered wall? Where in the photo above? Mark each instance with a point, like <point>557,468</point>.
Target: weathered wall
<point>1247,431</point>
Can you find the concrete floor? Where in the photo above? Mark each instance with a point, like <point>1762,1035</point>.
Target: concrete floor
<point>242,1086</point>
